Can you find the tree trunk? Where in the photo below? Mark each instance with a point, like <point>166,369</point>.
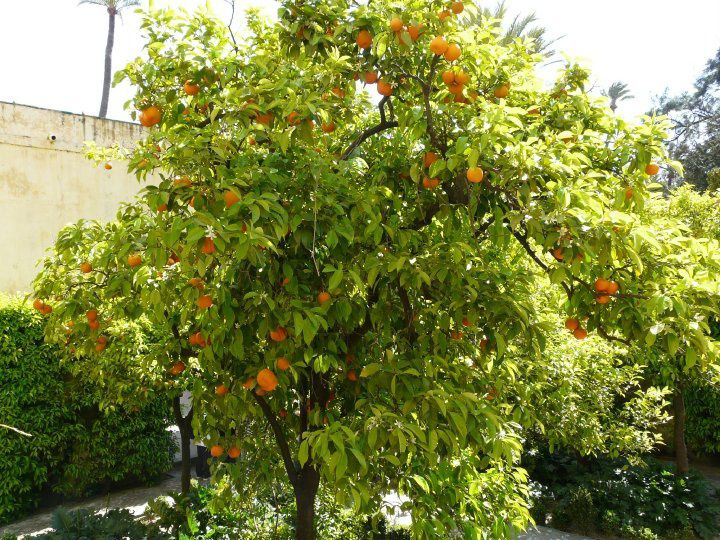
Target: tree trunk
<point>108,63</point>
<point>681,454</point>
<point>305,492</point>
<point>183,424</point>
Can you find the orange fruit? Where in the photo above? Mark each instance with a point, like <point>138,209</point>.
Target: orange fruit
<point>264,118</point>
<point>613,288</point>
<point>430,183</point>
<point>466,322</point>
<point>293,118</point>
<point>558,254</point>
<point>38,304</point>
<point>364,39</point>
<point>285,281</point>
<point>91,314</point>
<point>204,302</point>
<point>602,285</point>
<point>279,334</point>
<point>572,324</point>
<point>249,383</point>
<point>475,175</point>
<point>182,181</point>
<point>580,333</point>
<point>233,452</point>
<point>94,325</point>
<point>85,267</point>
<point>448,77</point>
<point>444,14</point>
<point>230,198</point>
<point>100,347</point>
<point>414,32</point>
<point>371,77</point>
<point>429,158</point>
<point>339,92</point>
<point>267,380</point>
<point>438,45</point>
<point>162,208</point>
<point>456,89</point>
<point>196,282</point>
<point>197,339</point>
<point>134,260</point>
<point>457,7</point>
<point>150,116</point>
<point>351,375</point>
<point>502,91</point>
<point>282,363</point>
<point>349,358</point>
<point>652,169</point>
<point>208,246</point>
<point>102,339</point>
<point>384,88</point>
<point>462,77</point>
<point>328,127</point>
<point>456,335</point>
<point>323,297</point>
<point>177,368</point>
<point>108,166</point>
<point>396,24</point>
<point>602,299</point>
<point>452,52</point>
<point>629,193</point>
<point>191,89</point>
<point>283,413</point>
<point>260,392</point>
<point>221,390</point>
<point>216,450</point>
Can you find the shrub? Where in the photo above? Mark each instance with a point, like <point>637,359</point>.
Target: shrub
<point>86,524</point>
<point>75,446</point>
<point>617,498</point>
<point>702,428</point>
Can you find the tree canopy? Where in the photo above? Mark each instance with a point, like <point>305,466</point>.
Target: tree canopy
<point>384,235</point>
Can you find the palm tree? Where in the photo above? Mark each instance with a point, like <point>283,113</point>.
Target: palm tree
<point>618,92</point>
<point>114,7</point>
<point>519,27</point>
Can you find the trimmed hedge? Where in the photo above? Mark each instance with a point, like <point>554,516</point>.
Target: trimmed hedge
<point>75,447</point>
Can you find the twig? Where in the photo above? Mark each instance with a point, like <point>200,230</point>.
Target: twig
<point>16,430</point>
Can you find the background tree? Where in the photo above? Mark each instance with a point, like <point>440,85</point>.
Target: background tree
<point>617,92</point>
<point>364,263</point>
<point>113,7</point>
<point>696,115</point>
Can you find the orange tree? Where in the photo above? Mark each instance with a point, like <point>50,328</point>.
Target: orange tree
<point>350,263</point>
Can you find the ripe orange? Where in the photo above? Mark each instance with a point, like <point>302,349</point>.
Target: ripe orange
<point>260,392</point>
<point>438,45</point>
<point>323,297</point>
<point>448,77</point>
<point>150,116</point>
<point>264,118</point>
<point>629,193</point>
<point>580,333</point>
<point>351,375</point>
<point>475,175</point>
<point>38,304</point>
<point>208,246</point>
<point>364,39</point>
<point>94,325</point>
<point>221,390</point>
<point>196,282</point>
<point>285,281</point>
<point>572,324</point>
<point>462,77</point>
<point>230,198</point>
<point>414,32</point>
<point>430,183</point>
<point>613,288</point>
<point>396,24</point>
<point>204,302</point>
<point>108,166</point>
<point>182,181</point>
<point>384,88</point>
<point>100,347</point>
<point>502,91</point>
<point>339,92</point>
<point>91,315</point>
<point>293,118</point>
<point>444,14</point>
<point>267,380</point>
<point>282,363</point>
<point>457,7</point>
<point>602,285</point>
<point>602,299</point>
<point>452,52</point>
<point>197,339</point>
<point>558,254</point>
<point>233,452</point>
<point>466,322</point>
<point>134,260</point>
<point>456,335</point>
<point>429,158</point>
<point>283,413</point>
<point>46,309</point>
<point>191,89</point>
<point>328,127</point>
<point>371,77</point>
<point>162,208</point>
<point>216,450</point>
<point>177,368</point>
<point>349,358</point>
<point>456,89</point>
<point>279,334</point>
<point>249,383</point>
<point>652,169</point>
<point>85,267</point>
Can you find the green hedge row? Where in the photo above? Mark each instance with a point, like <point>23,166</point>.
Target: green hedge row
<point>74,447</point>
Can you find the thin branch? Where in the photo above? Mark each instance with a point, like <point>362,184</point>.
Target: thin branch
<point>427,88</point>
<point>279,438</point>
<point>366,135</point>
<point>16,430</point>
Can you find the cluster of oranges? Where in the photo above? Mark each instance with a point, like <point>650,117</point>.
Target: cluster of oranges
<point>455,7</point>
<point>604,290</point>
<point>217,451</point>
<point>42,307</point>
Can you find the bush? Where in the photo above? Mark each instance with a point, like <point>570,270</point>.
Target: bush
<point>74,446</point>
<point>614,497</point>
<point>702,427</point>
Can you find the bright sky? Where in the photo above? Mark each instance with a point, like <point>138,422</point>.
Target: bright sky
<point>52,51</point>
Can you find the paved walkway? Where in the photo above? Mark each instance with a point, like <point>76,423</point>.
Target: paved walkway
<point>545,533</point>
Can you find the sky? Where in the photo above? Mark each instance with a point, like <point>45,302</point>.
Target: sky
<point>52,51</point>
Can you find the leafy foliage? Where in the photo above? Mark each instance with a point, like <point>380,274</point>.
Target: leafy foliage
<point>87,524</point>
<point>703,421</point>
<point>74,445</point>
<point>296,217</point>
<point>616,498</point>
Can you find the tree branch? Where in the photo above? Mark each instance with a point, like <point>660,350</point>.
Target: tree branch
<point>382,126</point>
<point>427,88</point>
<point>279,438</point>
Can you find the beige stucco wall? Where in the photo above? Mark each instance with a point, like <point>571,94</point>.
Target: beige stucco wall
<point>46,184</point>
